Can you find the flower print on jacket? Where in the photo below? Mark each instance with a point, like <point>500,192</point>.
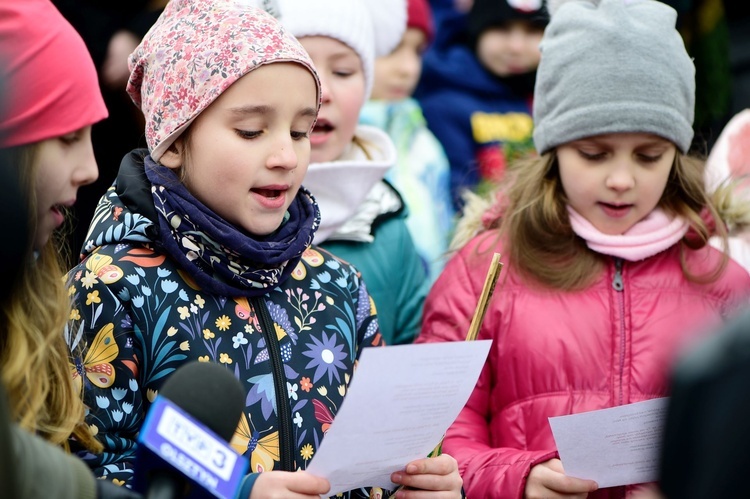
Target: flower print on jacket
<point>294,347</point>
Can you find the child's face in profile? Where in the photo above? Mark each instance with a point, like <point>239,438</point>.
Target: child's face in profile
<point>397,74</point>
<point>342,81</point>
<point>510,49</point>
<point>64,164</point>
<point>615,180</point>
<point>248,151</point>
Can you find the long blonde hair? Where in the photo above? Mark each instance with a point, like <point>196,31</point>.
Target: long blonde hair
<point>35,358</point>
<point>528,211</point>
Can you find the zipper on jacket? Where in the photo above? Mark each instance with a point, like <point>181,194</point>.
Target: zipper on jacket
<point>284,413</point>
<point>618,286</point>
<point>617,280</point>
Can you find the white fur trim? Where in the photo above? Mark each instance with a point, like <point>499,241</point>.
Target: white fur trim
<point>355,171</point>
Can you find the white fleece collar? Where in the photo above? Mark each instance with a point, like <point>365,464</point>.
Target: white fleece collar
<point>340,187</point>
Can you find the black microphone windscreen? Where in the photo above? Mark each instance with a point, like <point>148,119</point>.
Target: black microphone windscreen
<point>209,393</point>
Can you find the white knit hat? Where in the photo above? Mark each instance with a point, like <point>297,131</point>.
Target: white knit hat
<point>372,28</point>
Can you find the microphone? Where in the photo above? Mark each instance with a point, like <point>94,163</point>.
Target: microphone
<point>183,447</point>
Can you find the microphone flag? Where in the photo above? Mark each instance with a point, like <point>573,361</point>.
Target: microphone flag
<point>172,439</point>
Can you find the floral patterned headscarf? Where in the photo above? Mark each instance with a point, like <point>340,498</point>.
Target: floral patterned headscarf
<point>193,53</point>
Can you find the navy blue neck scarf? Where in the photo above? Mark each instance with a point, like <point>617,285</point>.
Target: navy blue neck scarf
<point>218,256</point>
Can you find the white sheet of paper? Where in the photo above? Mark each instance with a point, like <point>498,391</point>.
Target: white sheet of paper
<point>399,404</point>
<point>615,446</point>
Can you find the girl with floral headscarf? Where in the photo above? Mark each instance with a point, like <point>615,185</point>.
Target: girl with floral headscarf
<point>201,250</point>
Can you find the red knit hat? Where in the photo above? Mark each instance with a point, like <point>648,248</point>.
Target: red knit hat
<point>420,17</point>
<point>49,80</point>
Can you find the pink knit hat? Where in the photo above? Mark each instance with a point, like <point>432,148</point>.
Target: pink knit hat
<point>193,53</point>
<point>50,87</point>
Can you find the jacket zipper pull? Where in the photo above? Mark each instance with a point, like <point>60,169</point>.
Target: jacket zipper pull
<point>617,281</point>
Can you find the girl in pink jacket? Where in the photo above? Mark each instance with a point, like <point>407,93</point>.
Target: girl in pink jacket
<point>604,239</point>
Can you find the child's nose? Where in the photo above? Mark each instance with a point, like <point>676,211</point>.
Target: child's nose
<point>411,64</point>
<point>621,178</point>
<point>88,171</point>
<point>517,40</point>
<point>325,93</point>
<point>283,157</point>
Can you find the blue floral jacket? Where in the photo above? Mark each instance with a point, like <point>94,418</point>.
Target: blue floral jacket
<point>137,317</point>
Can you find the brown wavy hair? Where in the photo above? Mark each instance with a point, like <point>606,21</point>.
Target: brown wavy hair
<point>33,354</point>
<point>528,211</point>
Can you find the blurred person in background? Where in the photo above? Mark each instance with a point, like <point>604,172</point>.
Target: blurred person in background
<point>477,86</point>
<point>421,173</point>
<point>363,217</point>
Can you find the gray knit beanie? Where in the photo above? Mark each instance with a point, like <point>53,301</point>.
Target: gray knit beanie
<point>613,66</point>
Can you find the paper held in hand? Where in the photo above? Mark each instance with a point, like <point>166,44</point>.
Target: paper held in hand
<point>400,402</point>
<point>615,446</point>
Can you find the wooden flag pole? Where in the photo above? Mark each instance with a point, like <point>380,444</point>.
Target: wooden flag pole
<point>489,287</point>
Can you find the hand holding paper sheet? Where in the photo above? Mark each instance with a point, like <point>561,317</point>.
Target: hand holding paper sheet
<point>615,446</point>
<point>400,402</point>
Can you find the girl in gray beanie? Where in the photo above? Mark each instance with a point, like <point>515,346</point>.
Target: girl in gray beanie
<point>604,239</point>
